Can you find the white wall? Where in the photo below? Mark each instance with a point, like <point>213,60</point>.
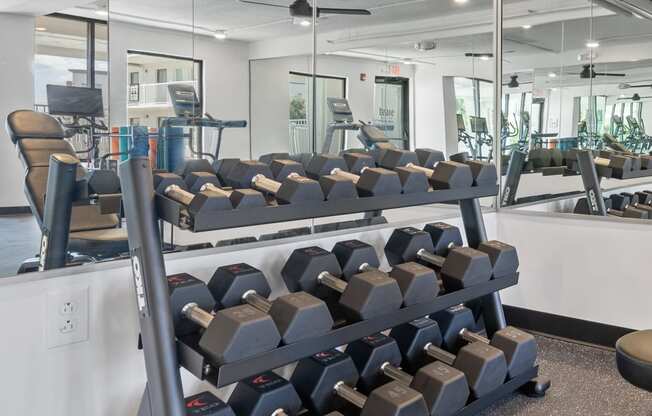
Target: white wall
<point>270,94</point>
<point>17,86</point>
<point>585,268</point>
<point>226,75</point>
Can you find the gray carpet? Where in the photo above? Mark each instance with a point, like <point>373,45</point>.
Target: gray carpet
<point>584,382</point>
<point>20,240</point>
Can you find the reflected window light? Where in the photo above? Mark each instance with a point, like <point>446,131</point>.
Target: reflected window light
<point>526,26</point>
<point>592,44</point>
<point>301,21</point>
<point>220,34</point>
<point>552,74</point>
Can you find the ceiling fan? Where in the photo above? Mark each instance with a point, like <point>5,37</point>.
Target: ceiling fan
<point>515,83</point>
<point>588,71</point>
<point>303,9</point>
<point>635,97</point>
<point>625,86</point>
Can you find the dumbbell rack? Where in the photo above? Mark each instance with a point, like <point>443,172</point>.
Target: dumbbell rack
<point>164,354</point>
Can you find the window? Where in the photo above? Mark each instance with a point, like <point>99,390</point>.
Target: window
<point>161,75</point>
<point>70,51</point>
<point>134,78</point>
<point>300,112</point>
<point>149,97</point>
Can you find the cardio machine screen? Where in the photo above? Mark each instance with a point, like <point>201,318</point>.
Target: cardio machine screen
<point>184,100</point>
<point>74,101</point>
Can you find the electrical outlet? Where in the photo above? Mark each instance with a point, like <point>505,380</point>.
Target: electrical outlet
<point>67,316</point>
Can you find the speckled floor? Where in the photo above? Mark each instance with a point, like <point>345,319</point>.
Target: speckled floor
<point>584,382</point>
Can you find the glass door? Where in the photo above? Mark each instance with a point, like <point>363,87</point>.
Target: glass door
<point>392,109</point>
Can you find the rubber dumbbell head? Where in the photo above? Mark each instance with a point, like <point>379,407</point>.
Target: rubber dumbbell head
<point>484,366</point>
<point>378,358</point>
<point>265,394</point>
<point>365,295</point>
<point>325,383</point>
<point>519,347</point>
<point>297,316</point>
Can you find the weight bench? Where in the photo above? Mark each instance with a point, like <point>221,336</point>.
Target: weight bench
<point>634,358</point>
<point>94,233</point>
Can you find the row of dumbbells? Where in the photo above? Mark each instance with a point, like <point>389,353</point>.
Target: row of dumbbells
<point>326,177</point>
<point>431,366</point>
<point>620,162</point>
<point>624,205</point>
<point>236,320</point>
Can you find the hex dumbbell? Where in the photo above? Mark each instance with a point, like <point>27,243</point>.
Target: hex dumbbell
<point>173,187</point>
<point>378,358</point>
<point>418,283</point>
<point>520,348</point>
<point>462,267</point>
<point>231,334</point>
<point>297,316</point>
<point>484,366</point>
<point>266,394</point>
<point>365,295</point>
<point>325,383</point>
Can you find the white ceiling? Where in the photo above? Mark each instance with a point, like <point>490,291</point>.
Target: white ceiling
<point>257,22</point>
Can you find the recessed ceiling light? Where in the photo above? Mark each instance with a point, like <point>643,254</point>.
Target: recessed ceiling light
<point>220,34</point>
<point>552,74</point>
<point>101,12</point>
<point>592,44</point>
<point>461,1</point>
<point>40,29</point>
<point>408,61</point>
<point>526,26</point>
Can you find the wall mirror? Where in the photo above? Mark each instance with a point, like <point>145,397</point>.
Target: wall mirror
<point>572,80</point>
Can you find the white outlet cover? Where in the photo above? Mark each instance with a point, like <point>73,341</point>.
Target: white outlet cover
<point>59,313</point>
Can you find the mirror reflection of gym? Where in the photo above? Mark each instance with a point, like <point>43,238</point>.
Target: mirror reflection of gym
<point>585,81</point>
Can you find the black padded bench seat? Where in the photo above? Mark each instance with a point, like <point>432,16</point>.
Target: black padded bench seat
<point>634,358</point>
<point>37,137</point>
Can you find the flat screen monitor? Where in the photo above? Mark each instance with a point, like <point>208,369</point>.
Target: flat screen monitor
<point>75,101</point>
<point>184,100</point>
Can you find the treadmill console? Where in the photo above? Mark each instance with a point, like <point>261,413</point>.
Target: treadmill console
<point>340,109</point>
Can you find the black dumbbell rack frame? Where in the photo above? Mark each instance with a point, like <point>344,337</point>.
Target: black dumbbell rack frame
<point>175,213</point>
<point>164,354</point>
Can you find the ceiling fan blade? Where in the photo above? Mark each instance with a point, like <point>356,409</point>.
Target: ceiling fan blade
<point>260,3</point>
<point>354,12</point>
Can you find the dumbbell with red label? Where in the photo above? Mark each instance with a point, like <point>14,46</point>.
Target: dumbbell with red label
<point>520,348</point>
<point>298,315</point>
<point>483,365</point>
<point>231,334</point>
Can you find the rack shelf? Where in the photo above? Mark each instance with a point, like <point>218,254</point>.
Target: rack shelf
<point>192,359</point>
<point>174,212</point>
<point>510,386</point>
